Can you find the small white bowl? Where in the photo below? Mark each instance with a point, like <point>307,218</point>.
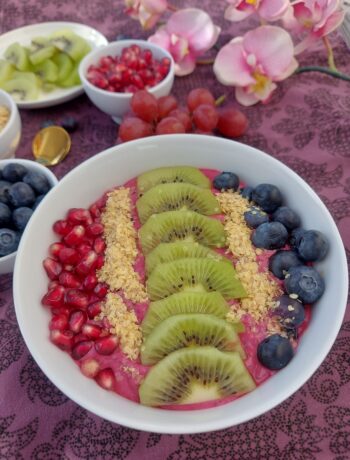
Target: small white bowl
<point>11,134</point>
<point>7,262</point>
<point>118,104</point>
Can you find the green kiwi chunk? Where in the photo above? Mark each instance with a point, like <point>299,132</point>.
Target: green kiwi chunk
<point>167,252</point>
<point>73,79</point>
<point>6,70</point>
<point>187,174</point>
<point>47,71</point>
<point>68,42</point>
<point>194,275</point>
<point>180,331</point>
<point>172,197</point>
<point>40,50</point>
<point>193,375</point>
<point>22,88</point>
<point>189,226</point>
<point>18,56</point>
<point>64,64</point>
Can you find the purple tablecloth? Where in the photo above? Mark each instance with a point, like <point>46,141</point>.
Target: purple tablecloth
<point>306,126</point>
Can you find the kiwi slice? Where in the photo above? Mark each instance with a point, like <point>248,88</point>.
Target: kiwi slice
<point>64,64</point>
<point>18,56</point>
<point>47,71</point>
<point>189,226</point>
<point>187,174</point>
<point>193,375</point>
<point>167,252</point>
<point>171,197</point>
<point>73,79</point>
<point>180,331</point>
<point>40,50</point>
<point>22,88</point>
<point>6,70</point>
<point>70,43</point>
<point>194,275</point>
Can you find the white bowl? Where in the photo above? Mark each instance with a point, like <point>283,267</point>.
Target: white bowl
<point>118,104</point>
<point>11,134</point>
<point>7,262</point>
<point>113,167</point>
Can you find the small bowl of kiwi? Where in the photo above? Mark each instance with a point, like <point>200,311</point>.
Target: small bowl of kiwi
<point>152,335</point>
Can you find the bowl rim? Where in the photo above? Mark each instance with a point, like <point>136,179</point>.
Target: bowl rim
<point>13,113</point>
<point>147,424</point>
<point>128,42</point>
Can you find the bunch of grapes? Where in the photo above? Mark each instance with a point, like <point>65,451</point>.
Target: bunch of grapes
<point>163,116</point>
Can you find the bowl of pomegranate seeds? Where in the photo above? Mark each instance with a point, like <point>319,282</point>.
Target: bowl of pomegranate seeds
<point>112,74</point>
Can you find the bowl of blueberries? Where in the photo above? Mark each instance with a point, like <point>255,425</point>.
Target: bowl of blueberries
<point>23,185</point>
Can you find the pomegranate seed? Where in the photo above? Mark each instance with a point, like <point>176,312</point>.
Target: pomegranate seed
<point>55,249</point>
<point>62,339</point>
<point>75,236</point>
<point>95,229</point>
<point>52,284</point>
<point>101,290</point>
<point>94,210</point>
<point>58,322</point>
<point>62,227</point>
<point>60,311</point>
<point>106,345</point>
<point>106,379</point>
<point>84,248</point>
<point>94,309</point>
<point>76,320</point>
<point>101,202</point>
<point>90,368</point>
<point>90,282</point>
<point>54,297</point>
<point>99,246</point>
<point>81,349</point>
<point>69,256</point>
<point>79,216</point>
<point>68,280</point>
<point>52,268</point>
<point>79,338</point>
<point>100,261</point>
<point>87,263</point>
<point>91,330</point>
<point>76,298</point>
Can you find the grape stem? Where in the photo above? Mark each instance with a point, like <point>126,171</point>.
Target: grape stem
<point>326,70</point>
<point>205,61</point>
<point>220,100</point>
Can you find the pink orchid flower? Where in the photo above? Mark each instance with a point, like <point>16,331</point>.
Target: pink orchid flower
<point>316,18</point>
<point>147,12</point>
<point>189,33</point>
<point>269,10</point>
<point>254,62</point>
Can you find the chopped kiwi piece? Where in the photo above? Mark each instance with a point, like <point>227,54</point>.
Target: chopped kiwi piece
<point>47,71</point>
<point>70,43</point>
<point>18,56</point>
<point>73,79</point>
<point>64,64</point>
<point>184,302</point>
<point>193,375</point>
<point>180,331</point>
<point>167,252</point>
<point>194,275</point>
<point>40,50</point>
<point>22,88</point>
<point>6,70</point>
<point>187,174</point>
<point>189,226</point>
<point>172,197</point>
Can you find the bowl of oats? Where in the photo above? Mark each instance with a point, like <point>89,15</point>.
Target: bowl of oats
<point>10,126</point>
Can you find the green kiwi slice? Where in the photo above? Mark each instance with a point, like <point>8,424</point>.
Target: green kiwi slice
<point>6,70</point>
<point>194,275</point>
<point>189,226</point>
<point>64,64</point>
<point>193,375</point>
<point>47,71</point>
<point>40,50</point>
<point>22,88</point>
<point>73,79</point>
<point>18,56</point>
<point>68,42</point>
<point>187,174</point>
<point>172,197</point>
<point>180,331</point>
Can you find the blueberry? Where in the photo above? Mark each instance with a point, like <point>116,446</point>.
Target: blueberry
<point>268,197</point>
<point>295,237</point>
<point>37,181</point>
<point>305,282</point>
<point>4,187</point>
<point>275,352</point>
<point>246,192</point>
<point>37,201</point>
<point>5,215</point>
<point>282,261</point>
<point>47,124</point>
<point>70,124</point>
<point>226,181</point>
<point>9,240</point>
<point>13,172</point>
<point>312,246</point>
<point>287,217</point>
<point>21,194</point>
<point>270,235</point>
<point>20,217</point>
<point>290,311</point>
<point>255,217</point>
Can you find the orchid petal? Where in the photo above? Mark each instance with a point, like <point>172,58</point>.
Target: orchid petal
<point>244,97</point>
<point>235,15</point>
<point>272,10</point>
<point>288,71</point>
<point>155,6</point>
<point>179,47</point>
<point>331,24</point>
<point>186,66</point>
<point>161,38</point>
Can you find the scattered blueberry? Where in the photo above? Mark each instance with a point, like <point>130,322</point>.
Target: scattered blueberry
<point>37,201</point>
<point>255,217</point>
<point>4,187</point>
<point>270,235</point>
<point>47,124</point>
<point>21,194</point>
<point>9,240</point>
<point>312,246</point>
<point>282,261</point>
<point>295,237</point>
<point>13,172</point>
<point>5,215</point>
<point>268,197</point>
<point>226,181</point>
<point>290,311</point>
<point>287,217</point>
<point>70,124</point>
<point>275,352</point>
<point>20,217</point>
<point>37,181</point>
<point>247,192</point>
<point>305,282</point>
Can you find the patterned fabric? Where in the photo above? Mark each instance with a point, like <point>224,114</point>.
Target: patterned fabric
<point>307,126</point>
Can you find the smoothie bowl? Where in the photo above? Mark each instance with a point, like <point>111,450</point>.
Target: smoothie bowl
<point>161,302</point>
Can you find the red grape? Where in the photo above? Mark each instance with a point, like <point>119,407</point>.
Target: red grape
<point>144,105</point>
<point>170,125</point>
<point>232,123</point>
<point>165,105</point>
<point>205,117</point>
<point>199,96</point>
<point>134,128</point>
<point>184,117</point>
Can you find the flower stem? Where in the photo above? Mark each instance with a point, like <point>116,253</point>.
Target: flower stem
<point>205,61</point>
<point>328,46</point>
<point>326,70</point>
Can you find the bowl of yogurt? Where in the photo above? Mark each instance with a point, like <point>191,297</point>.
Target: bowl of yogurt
<point>10,126</point>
